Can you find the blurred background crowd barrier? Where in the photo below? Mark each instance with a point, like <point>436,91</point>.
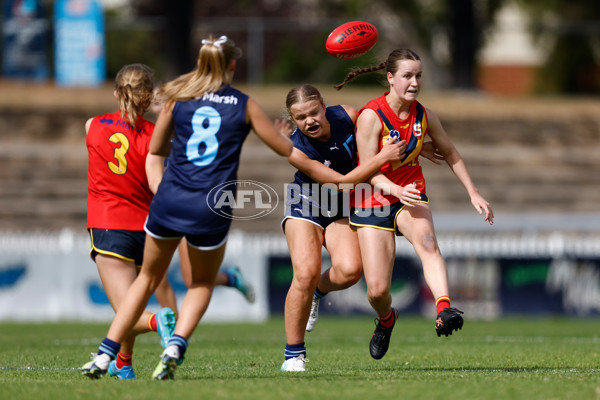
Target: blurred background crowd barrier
<point>51,277</point>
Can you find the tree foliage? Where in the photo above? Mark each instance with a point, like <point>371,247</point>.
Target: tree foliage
<point>573,63</point>
<point>449,34</point>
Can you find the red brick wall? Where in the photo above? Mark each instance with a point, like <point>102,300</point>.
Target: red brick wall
<point>507,79</point>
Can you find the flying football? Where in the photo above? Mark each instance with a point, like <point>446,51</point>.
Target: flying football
<point>351,39</point>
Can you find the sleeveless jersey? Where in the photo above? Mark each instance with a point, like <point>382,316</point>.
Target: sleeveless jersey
<point>205,154</point>
<point>118,193</point>
<point>338,153</point>
<point>412,129</point>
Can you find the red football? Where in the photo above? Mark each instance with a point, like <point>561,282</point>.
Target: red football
<point>351,39</point>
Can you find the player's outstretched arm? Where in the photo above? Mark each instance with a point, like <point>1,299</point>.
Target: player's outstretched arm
<point>264,128</point>
<point>323,174</point>
<point>457,165</point>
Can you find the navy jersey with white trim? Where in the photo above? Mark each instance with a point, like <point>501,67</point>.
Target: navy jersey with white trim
<point>338,153</point>
<point>206,148</point>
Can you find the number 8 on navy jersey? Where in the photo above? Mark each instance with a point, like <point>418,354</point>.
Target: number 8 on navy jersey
<point>206,122</point>
<point>205,153</point>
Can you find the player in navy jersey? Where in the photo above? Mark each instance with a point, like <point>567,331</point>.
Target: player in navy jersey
<point>227,276</point>
<point>316,215</point>
<point>207,121</point>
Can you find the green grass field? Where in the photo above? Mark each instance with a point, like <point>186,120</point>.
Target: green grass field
<point>532,358</point>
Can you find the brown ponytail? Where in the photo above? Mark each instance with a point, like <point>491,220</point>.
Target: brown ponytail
<point>390,65</point>
<point>134,85</point>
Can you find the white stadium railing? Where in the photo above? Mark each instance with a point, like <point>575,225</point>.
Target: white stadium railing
<point>49,275</point>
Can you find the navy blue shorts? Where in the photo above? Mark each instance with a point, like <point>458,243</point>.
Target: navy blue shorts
<point>380,218</point>
<point>208,241</point>
<point>323,222</point>
<point>313,214</point>
<point>126,245</point>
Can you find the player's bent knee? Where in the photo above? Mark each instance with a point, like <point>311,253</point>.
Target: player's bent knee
<point>353,277</point>
<point>349,272</point>
<point>427,245</point>
<point>378,293</point>
<point>305,281</point>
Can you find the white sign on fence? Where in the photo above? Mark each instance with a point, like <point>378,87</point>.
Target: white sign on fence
<point>53,278</point>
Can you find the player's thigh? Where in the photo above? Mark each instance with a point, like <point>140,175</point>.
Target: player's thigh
<point>205,264</point>
<point>184,262</point>
<point>116,275</point>
<point>378,248</point>
<point>342,245</point>
<point>305,240</point>
<point>158,254</point>
<point>416,224</point>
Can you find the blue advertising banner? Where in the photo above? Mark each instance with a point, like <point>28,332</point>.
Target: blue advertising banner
<point>408,292</point>
<point>482,287</point>
<point>566,285</point>
<point>80,58</point>
<point>24,40</point>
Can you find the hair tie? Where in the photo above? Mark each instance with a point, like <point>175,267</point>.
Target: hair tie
<point>223,39</point>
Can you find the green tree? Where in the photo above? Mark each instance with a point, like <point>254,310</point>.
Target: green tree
<point>571,66</point>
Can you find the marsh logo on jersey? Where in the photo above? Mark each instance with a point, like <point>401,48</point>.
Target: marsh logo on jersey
<point>242,200</point>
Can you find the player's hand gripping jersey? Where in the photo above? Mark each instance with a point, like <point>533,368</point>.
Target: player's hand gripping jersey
<point>408,170</point>
<point>338,153</point>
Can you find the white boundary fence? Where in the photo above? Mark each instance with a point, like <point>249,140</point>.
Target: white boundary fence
<point>49,276</point>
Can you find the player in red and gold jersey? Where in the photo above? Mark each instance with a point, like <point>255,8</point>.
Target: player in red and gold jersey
<point>408,170</point>
<point>118,191</point>
<point>119,196</point>
<point>400,204</point>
